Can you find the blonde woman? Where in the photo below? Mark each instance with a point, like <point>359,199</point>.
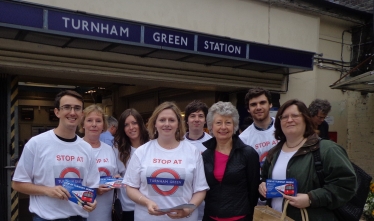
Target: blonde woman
<point>166,171</point>
<point>92,125</point>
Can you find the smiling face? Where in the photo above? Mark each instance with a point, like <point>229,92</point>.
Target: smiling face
<point>196,121</point>
<point>293,123</point>
<point>259,108</point>
<point>132,129</point>
<point>166,124</point>
<point>93,125</point>
<point>69,119</point>
<point>223,127</point>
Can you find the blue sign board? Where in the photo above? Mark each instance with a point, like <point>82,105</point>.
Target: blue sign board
<point>276,55</point>
<point>21,15</point>
<point>168,38</point>
<point>28,15</point>
<point>221,46</point>
<point>89,26</point>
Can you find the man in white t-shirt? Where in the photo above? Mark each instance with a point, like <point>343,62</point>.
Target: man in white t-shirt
<point>195,114</point>
<point>195,119</point>
<point>260,134</point>
<point>56,156</point>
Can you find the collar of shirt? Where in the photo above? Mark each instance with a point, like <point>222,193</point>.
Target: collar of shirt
<point>270,125</point>
<point>188,137</point>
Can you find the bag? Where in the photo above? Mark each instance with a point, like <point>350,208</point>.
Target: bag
<point>116,208</point>
<point>265,213</point>
<point>352,211</point>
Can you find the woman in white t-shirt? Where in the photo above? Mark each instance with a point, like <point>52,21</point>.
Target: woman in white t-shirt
<point>92,125</point>
<point>167,171</point>
<point>131,134</point>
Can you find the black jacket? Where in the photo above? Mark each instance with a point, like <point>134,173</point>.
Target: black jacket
<point>237,194</point>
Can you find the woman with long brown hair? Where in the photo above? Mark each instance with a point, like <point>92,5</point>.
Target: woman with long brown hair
<point>131,134</point>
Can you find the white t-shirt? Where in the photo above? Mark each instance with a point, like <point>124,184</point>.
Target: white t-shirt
<point>279,173</point>
<point>261,141</point>
<point>47,160</point>
<point>126,202</point>
<point>106,163</point>
<point>167,177</point>
<point>199,145</point>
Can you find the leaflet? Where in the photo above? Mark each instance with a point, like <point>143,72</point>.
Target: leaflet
<point>278,188</point>
<point>80,195</point>
<point>112,182</point>
<point>182,206</point>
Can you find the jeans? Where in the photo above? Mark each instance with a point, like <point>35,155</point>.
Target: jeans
<point>71,218</point>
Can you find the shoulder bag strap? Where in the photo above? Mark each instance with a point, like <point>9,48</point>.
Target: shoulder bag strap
<point>318,164</point>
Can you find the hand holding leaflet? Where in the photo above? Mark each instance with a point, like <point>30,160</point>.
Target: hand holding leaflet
<point>182,206</point>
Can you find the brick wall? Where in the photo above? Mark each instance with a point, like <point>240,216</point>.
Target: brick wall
<point>360,130</point>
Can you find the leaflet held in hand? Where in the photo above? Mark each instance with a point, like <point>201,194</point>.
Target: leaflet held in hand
<point>278,188</point>
<point>80,195</point>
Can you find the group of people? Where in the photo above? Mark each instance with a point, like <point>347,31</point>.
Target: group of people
<point>218,176</point>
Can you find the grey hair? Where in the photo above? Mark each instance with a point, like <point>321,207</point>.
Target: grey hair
<point>112,121</point>
<point>319,104</point>
<point>224,109</point>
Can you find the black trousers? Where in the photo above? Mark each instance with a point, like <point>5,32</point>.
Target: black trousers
<point>127,215</point>
<point>207,218</point>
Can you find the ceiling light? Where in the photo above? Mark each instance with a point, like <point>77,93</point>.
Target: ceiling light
<point>33,84</point>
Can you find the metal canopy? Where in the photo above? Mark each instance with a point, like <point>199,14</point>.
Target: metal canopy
<point>67,29</point>
<point>363,82</point>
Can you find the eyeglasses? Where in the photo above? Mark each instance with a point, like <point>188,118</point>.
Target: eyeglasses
<point>76,108</point>
<point>286,117</point>
<point>321,118</point>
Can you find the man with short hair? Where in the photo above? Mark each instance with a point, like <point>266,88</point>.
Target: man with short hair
<point>195,119</point>
<point>108,136</point>
<point>260,134</point>
<point>319,109</point>
<point>53,157</point>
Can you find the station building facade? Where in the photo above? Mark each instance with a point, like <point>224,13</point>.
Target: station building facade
<point>147,52</point>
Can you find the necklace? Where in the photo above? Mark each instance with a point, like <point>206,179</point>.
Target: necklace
<point>295,145</point>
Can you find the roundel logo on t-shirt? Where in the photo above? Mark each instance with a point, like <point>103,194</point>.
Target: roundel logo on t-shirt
<point>70,174</point>
<point>165,181</point>
<point>263,158</point>
<point>104,172</point>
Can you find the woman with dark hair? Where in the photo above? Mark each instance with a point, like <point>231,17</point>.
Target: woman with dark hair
<point>292,157</point>
<point>167,171</point>
<point>131,134</point>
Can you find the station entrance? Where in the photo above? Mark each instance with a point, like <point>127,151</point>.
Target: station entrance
<point>119,64</point>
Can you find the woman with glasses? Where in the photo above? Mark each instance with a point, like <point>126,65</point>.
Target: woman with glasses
<point>167,171</point>
<point>232,168</point>
<point>92,125</point>
<point>292,157</point>
<point>131,134</point>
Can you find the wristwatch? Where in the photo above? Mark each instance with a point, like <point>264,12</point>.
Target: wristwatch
<point>310,202</point>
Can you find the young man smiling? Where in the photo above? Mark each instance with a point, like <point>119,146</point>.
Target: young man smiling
<point>195,114</point>
<point>260,134</point>
<point>56,156</point>
<point>195,119</point>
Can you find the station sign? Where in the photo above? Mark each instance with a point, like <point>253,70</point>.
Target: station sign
<point>23,15</point>
<point>221,46</point>
<point>169,38</point>
<point>81,25</point>
<point>98,27</point>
